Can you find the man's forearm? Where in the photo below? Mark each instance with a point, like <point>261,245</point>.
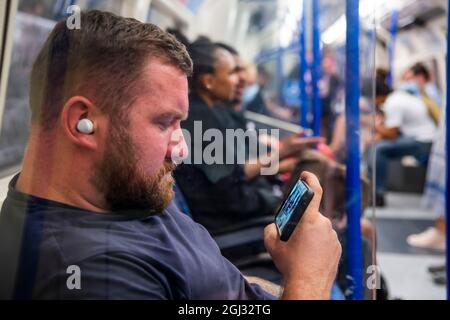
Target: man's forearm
<point>387,133</point>
<point>267,286</point>
<point>299,290</point>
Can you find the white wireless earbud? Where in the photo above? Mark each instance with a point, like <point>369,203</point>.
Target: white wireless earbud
<point>85,126</point>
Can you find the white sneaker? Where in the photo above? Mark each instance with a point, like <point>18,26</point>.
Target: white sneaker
<point>429,239</point>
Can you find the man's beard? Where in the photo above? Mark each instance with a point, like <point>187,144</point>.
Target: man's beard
<point>125,185</point>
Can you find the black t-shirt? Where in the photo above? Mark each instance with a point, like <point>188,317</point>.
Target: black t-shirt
<point>219,195</point>
<point>45,245</point>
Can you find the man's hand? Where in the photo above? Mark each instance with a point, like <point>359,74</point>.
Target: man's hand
<point>296,144</point>
<point>309,260</point>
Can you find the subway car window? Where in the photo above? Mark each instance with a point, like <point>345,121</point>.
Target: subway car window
<point>34,21</point>
<point>223,150</point>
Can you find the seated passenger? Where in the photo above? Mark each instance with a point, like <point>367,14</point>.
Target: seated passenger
<point>404,129</point>
<point>434,196</point>
<point>90,214</point>
<point>421,78</point>
<point>249,92</point>
<point>222,193</point>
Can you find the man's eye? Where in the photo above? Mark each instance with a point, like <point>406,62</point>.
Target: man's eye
<point>165,124</point>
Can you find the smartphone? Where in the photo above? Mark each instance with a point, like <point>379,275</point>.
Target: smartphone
<point>292,209</point>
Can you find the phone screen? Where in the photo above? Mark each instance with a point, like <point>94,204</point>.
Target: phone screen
<point>291,203</point>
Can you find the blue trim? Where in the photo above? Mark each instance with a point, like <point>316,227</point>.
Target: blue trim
<point>303,69</point>
<point>447,142</point>
<point>316,68</point>
<point>353,182</point>
<point>391,47</point>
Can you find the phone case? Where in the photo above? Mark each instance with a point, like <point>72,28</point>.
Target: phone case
<point>294,219</point>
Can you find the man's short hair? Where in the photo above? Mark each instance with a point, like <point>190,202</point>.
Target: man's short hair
<point>419,69</point>
<point>102,61</point>
<point>382,89</point>
<point>227,47</point>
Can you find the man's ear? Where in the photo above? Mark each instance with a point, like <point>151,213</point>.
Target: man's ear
<point>76,109</point>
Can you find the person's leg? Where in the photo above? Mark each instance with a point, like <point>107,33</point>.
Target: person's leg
<point>422,152</point>
<point>439,270</point>
<point>369,159</point>
<point>431,238</point>
<point>382,152</point>
<point>391,150</point>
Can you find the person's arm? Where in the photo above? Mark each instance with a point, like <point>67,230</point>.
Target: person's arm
<point>252,169</point>
<point>338,139</point>
<point>282,158</point>
<point>384,133</point>
<point>309,260</point>
<point>387,127</point>
<point>267,286</point>
<point>387,133</point>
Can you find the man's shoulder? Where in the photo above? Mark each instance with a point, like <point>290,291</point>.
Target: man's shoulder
<point>400,98</point>
<point>148,238</point>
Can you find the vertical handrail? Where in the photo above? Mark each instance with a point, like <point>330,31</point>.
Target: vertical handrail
<point>447,180</point>
<point>316,66</point>
<point>303,69</point>
<point>353,182</point>
<point>391,47</point>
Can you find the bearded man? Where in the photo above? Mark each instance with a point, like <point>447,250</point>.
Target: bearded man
<point>90,215</point>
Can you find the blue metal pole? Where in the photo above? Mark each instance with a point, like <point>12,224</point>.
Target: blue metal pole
<point>391,48</point>
<point>303,67</point>
<point>353,186</point>
<point>447,190</point>
<point>317,108</point>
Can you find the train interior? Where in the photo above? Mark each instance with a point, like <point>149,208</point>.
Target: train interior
<point>298,52</point>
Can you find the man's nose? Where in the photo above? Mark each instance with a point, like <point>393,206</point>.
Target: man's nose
<point>178,148</point>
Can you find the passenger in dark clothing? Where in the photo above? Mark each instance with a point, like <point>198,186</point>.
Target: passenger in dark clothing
<point>257,103</point>
<point>219,195</point>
